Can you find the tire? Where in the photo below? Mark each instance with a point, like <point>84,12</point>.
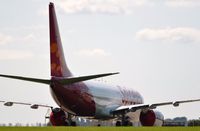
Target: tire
<point>73,123</point>
<point>118,123</point>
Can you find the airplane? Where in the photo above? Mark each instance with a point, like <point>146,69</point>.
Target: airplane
<point>76,96</point>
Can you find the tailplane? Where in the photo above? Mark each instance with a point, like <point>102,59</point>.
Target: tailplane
<point>58,64</point>
<point>63,80</point>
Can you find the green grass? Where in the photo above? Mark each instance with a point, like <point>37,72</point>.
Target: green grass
<point>100,128</point>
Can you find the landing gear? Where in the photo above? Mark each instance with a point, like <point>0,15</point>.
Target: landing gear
<point>73,123</point>
<point>118,123</point>
<point>58,117</point>
<point>125,121</point>
<point>69,119</point>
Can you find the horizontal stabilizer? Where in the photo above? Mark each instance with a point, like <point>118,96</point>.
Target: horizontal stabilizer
<point>62,80</point>
<point>67,81</point>
<point>42,81</point>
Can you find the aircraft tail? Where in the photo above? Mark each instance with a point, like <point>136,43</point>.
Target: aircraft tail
<point>58,64</point>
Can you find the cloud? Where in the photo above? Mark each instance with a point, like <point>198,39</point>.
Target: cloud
<point>43,11</point>
<point>4,39</point>
<point>93,52</point>
<point>182,3</point>
<point>114,6</point>
<point>179,34</point>
<point>29,37</point>
<point>101,6</point>
<point>14,54</point>
<point>33,27</point>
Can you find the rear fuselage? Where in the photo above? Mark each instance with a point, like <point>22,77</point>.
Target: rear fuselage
<point>92,99</point>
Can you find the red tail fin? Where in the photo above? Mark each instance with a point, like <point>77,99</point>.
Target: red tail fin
<point>58,65</point>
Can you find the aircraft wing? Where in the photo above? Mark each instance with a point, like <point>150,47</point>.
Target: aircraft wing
<point>133,108</point>
<point>32,106</point>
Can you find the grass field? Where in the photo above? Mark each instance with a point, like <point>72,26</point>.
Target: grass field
<point>100,128</point>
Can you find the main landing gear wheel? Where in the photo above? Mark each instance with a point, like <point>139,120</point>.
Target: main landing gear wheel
<point>125,121</point>
<point>118,123</point>
<point>73,123</point>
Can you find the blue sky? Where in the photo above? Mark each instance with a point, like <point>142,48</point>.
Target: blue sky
<point>155,45</point>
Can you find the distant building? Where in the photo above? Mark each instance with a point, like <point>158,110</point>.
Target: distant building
<point>194,122</point>
<point>178,121</point>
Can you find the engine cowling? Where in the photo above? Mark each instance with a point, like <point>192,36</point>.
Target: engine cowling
<point>58,117</point>
<point>159,118</point>
<point>151,118</point>
<point>147,118</point>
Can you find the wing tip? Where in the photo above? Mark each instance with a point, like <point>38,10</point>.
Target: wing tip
<point>115,73</point>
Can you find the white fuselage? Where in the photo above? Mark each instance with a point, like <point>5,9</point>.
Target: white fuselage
<point>108,97</point>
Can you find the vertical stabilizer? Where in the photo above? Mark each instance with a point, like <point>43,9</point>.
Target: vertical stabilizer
<point>58,65</point>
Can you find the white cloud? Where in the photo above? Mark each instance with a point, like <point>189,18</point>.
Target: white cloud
<point>14,54</point>
<point>179,34</point>
<point>33,27</point>
<point>43,11</point>
<point>182,3</point>
<point>101,6</point>
<point>93,52</point>
<point>4,39</point>
<point>29,37</point>
<point>114,6</point>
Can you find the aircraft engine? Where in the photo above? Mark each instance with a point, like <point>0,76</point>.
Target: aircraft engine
<point>151,118</point>
<point>159,118</point>
<point>58,117</point>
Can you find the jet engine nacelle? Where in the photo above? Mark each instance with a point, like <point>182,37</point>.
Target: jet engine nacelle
<point>159,118</point>
<point>58,117</point>
<point>151,118</point>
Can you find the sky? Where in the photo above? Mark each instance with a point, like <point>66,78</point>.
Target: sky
<point>154,44</point>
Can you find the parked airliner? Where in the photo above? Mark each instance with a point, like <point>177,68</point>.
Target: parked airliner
<point>79,97</point>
